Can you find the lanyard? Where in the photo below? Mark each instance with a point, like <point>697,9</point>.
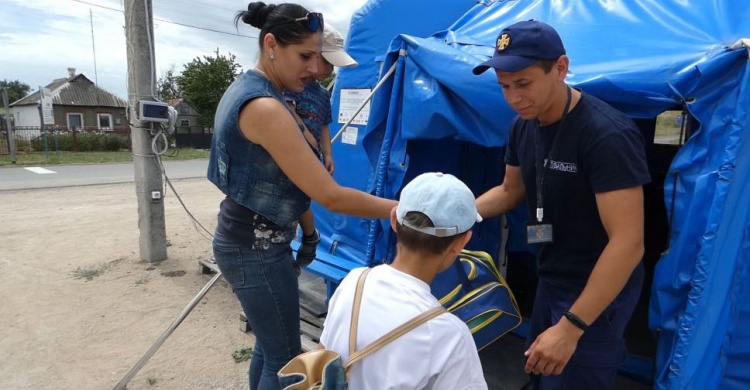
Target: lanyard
<point>541,165</point>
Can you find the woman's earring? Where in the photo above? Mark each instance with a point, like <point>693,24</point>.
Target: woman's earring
<point>271,56</point>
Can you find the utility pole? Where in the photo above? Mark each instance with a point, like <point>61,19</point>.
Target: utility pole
<point>141,84</point>
<point>9,125</point>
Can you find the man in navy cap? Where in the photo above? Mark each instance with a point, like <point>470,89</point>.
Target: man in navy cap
<point>581,165</point>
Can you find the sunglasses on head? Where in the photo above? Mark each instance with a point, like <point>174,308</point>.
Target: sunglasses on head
<point>314,21</point>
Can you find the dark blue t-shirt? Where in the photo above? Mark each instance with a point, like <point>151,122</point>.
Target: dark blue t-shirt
<point>599,150</point>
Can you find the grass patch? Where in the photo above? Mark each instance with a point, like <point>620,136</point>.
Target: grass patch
<point>242,355</point>
<point>38,158</point>
<point>92,271</point>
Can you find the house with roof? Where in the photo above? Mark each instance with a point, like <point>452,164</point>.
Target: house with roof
<point>187,120</point>
<point>77,104</point>
<point>189,133</point>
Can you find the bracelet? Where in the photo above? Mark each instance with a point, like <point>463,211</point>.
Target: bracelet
<point>575,320</point>
<point>311,238</point>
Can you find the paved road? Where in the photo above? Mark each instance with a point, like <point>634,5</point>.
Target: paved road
<point>51,176</point>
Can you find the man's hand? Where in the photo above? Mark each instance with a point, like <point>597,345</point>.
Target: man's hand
<point>552,349</point>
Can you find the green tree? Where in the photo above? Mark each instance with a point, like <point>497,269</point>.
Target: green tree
<point>327,81</point>
<point>204,80</point>
<point>16,89</point>
<point>167,87</point>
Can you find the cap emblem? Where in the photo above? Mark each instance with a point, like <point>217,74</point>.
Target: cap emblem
<point>503,42</point>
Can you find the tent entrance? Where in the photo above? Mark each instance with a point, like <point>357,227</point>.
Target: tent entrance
<point>482,168</point>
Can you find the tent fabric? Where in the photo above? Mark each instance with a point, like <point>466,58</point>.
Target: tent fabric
<point>696,301</point>
<point>643,57</point>
<point>372,28</point>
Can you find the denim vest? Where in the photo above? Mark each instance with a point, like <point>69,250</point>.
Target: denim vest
<point>243,170</point>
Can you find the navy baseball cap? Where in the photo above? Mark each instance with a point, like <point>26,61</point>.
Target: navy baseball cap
<point>523,44</point>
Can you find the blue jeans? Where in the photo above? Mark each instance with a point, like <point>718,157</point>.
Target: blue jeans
<point>601,349</point>
<point>266,285</point>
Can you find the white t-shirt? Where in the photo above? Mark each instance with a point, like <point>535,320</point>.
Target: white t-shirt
<point>439,354</point>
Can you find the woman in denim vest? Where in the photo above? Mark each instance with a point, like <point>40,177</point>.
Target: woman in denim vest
<point>266,168</point>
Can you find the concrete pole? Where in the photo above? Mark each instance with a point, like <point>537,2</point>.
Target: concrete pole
<point>141,84</point>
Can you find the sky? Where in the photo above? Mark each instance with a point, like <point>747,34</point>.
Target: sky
<point>40,39</point>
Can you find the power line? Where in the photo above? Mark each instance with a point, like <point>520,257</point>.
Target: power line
<point>100,6</point>
<point>171,22</point>
<point>204,28</point>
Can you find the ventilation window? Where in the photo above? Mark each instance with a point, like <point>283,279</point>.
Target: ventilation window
<point>671,128</point>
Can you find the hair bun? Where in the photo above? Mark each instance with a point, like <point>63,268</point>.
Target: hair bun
<point>257,14</point>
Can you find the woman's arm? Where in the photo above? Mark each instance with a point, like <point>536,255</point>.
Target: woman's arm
<point>265,121</point>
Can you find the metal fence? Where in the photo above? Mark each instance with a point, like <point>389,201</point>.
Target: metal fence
<point>194,137</point>
<point>63,139</point>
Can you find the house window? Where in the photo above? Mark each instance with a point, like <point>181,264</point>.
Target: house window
<point>105,121</point>
<point>75,121</point>
<point>184,123</point>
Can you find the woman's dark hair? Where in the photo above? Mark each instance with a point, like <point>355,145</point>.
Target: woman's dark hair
<point>270,18</point>
<point>420,242</point>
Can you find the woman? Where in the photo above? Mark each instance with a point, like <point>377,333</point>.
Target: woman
<point>262,162</point>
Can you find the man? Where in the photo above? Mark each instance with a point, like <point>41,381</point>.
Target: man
<point>581,165</point>
<point>433,223</point>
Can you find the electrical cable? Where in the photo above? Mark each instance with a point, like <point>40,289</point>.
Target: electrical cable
<point>151,50</point>
<point>194,220</point>
<point>158,151</point>
<point>171,22</point>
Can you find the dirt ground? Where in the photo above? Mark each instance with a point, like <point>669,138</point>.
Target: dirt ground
<point>64,332</point>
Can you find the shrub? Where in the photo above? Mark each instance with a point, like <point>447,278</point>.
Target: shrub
<point>114,142</point>
<point>64,142</point>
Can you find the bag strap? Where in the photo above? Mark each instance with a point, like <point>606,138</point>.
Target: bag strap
<point>355,311</point>
<point>394,334</point>
<point>462,276</point>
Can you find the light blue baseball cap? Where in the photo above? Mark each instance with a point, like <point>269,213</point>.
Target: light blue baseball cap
<point>444,199</point>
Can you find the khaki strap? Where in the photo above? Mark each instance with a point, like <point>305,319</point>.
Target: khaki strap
<point>393,335</point>
<point>355,311</point>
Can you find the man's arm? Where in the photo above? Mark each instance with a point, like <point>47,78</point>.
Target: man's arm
<point>505,197</point>
<point>621,213</point>
<point>622,216</point>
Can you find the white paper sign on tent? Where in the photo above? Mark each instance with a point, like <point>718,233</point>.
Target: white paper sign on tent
<point>350,135</point>
<point>351,100</point>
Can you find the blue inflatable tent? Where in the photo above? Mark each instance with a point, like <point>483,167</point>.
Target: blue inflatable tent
<point>645,58</point>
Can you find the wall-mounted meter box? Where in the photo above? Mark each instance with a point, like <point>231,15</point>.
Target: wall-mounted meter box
<point>153,111</point>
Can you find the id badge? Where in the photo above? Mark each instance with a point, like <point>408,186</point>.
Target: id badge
<point>538,233</point>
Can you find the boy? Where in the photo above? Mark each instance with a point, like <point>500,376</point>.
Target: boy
<point>433,222</point>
